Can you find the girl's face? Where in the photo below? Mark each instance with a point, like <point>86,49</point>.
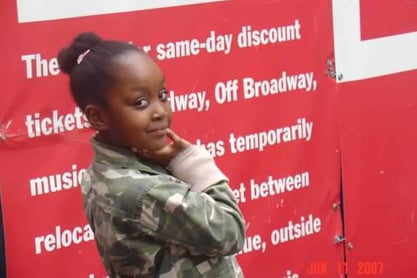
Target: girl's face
<point>138,111</point>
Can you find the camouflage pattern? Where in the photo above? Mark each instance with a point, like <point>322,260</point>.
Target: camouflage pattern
<point>147,223</point>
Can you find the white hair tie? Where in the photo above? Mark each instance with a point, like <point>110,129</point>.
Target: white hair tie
<point>81,56</point>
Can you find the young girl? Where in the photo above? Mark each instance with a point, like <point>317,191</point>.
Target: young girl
<point>157,209</point>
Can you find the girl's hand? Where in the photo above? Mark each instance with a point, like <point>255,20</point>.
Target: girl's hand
<point>167,153</point>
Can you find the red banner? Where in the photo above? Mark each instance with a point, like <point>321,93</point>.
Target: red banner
<point>379,180</point>
<point>251,81</point>
<point>378,150</point>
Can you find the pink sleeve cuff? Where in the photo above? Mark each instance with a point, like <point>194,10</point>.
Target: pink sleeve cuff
<point>196,166</point>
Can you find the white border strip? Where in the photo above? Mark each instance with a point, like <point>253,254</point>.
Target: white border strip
<point>42,10</point>
<point>356,59</point>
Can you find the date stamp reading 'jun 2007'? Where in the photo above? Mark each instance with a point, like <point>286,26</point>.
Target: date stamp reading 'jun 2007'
<point>365,267</point>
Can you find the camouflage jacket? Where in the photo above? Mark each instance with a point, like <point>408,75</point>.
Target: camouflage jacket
<point>148,223</point>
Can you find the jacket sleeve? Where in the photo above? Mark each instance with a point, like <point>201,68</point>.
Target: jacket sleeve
<point>195,209</point>
<point>208,223</point>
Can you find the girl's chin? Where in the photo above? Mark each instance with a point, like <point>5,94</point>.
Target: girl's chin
<point>154,143</point>
<point>158,144</point>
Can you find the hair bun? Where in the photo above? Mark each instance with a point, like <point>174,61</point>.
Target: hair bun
<point>67,57</point>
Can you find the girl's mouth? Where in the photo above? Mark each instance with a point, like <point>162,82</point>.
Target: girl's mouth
<point>158,131</point>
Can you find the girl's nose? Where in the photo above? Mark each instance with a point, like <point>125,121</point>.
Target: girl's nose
<point>160,110</point>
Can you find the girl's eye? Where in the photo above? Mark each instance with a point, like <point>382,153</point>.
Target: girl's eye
<point>163,95</point>
<point>142,102</point>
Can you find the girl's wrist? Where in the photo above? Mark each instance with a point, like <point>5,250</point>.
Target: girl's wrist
<point>195,166</point>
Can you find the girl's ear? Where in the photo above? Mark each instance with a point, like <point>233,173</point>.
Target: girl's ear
<point>95,117</point>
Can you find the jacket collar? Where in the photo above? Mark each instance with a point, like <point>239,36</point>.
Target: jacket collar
<point>123,158</point>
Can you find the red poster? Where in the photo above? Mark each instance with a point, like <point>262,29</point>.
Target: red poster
<point>379,176</point>
<point>378,146</point>
<point>254,90</point>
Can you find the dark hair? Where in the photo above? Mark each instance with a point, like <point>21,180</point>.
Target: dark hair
<point>91,78</point>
